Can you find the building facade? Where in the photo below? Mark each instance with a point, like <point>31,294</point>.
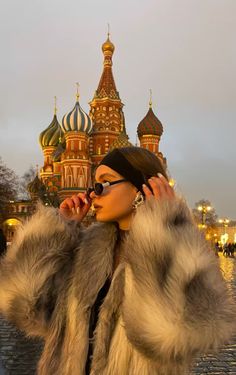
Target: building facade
<point>74,148</point>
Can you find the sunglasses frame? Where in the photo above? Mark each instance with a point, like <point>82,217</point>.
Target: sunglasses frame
<point>100,186</point>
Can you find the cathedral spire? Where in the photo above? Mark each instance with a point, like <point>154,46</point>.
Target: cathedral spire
<point>150,101</point>
<point>107,86</point>
<point>77,91</point>
<point>106,109</point>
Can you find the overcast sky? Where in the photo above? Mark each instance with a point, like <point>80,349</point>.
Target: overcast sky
<point>184,50</point>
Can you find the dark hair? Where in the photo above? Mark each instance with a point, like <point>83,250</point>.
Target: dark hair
<point>144,160</point>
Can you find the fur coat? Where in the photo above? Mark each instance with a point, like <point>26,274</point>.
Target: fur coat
<point>167,301</point>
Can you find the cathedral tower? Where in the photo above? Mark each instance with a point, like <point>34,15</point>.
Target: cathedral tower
<point>49,139</point>
<point>149,131</point>
<point>75,160</point>
<point>106,109</point>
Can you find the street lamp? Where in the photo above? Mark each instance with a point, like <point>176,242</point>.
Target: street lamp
<point>204,209</point>
<point>225,223</point>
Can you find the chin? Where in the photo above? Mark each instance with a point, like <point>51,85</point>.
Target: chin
<point>103,218</point>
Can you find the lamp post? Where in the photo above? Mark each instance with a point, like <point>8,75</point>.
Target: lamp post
<point>225,223</point>
<point>225,236</point>
<point>204,209</point>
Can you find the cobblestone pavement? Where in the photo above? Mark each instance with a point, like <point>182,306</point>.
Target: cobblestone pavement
<point>224,362</point>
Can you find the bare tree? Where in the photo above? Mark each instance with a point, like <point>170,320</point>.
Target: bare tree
<point>204,213</point>
<point>9,185</point>
<point>27,177</point>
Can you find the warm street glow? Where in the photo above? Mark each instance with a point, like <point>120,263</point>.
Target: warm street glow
<point>172,182</point>
<point>224,221</point>
<point>204,208</point>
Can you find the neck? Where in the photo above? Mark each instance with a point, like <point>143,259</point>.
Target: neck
<point>124,223</point>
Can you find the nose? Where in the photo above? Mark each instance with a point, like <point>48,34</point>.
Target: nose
<point>92,194</point>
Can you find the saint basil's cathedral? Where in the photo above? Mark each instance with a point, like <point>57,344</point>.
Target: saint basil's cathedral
<point>73,149</point>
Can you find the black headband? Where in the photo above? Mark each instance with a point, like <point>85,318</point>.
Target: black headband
<point>117,161</point>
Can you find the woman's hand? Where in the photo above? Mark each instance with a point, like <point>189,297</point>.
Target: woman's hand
<point>76,207</point>
<point>160,188</point>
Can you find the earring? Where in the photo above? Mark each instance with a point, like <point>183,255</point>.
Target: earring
<point>139,199</point>
<point>93,211</point>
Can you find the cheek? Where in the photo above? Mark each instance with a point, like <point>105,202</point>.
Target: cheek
<point>115,205</point>
<point>121,200</point>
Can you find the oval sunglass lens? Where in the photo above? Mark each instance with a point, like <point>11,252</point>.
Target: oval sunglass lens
<point>98,188</point>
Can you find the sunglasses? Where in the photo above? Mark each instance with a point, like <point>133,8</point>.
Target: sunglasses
<point>99,187</point>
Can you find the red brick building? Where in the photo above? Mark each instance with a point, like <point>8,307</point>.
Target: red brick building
<point>73,149</point>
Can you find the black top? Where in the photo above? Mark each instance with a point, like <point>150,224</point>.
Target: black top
<point>98,302</point>
<point>94,319</point>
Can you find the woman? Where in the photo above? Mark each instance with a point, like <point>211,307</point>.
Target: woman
<point>138,293</point>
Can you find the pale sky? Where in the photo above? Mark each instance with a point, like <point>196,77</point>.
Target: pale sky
<point>184,50</point>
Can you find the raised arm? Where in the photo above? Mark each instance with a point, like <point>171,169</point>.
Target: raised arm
<point>176,303</point>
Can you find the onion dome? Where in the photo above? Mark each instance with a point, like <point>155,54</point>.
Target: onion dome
<point>121,141</point>
<point>108,46</point>
<point>150,125</point>
<point>36,187</point>
<point>77,119</point>
<point>51,135</point>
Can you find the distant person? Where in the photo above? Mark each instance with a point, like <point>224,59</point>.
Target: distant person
<point>3,243</point>
<point>217,248</point>
<point>226,250</point>
<point>231,249</point>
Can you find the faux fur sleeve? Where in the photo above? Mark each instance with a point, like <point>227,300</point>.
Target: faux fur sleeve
<point>176,303</point>
<point>35,269</point>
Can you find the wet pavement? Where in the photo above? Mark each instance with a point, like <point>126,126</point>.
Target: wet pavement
<point>224,362</point>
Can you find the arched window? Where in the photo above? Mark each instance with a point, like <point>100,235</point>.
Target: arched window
<point>69,177</point>
<point>99,149</point>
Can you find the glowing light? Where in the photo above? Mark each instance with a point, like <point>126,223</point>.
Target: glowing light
<point>224,221</point>
<point>172,182</point>
<point>204,208</point>
<point>224,238</point>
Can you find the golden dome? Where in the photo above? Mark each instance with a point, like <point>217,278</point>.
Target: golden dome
<point>108,46</point>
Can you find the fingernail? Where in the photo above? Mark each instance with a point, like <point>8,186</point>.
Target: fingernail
<point>86,201</point>
<point>73,210</point>
<point>77,210</point>
<point>144,186</point>
<point>160,175</point>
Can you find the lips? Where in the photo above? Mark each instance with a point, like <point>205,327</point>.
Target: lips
<point>96,206</point>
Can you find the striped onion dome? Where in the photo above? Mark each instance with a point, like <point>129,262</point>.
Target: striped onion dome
<point>77,120</point>
<point>51,135</point>
<point>36,186</point>
<point>150,125</point>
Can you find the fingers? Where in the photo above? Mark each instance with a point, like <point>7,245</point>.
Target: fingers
<point>168,189</point>
<point>160,188</point>
<point>75,203</point>
<point>147,191</point>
